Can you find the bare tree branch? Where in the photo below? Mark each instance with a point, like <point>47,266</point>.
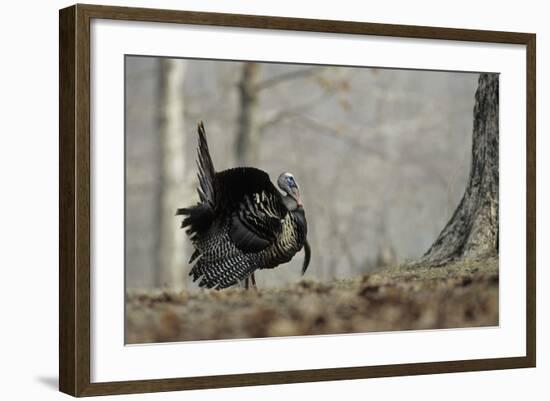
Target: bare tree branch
<point>293,112</point>
<point>288,76</point>
<point>331,132</point>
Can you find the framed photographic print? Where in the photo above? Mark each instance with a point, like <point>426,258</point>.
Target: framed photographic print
<point>298,200</point>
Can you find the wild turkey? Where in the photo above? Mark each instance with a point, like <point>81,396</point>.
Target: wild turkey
<point>242,222</point>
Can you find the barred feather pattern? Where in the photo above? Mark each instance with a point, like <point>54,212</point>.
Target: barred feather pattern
<point>288,243</point>
<point>220,264</point>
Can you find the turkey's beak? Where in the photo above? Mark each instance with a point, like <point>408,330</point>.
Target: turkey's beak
<point>296,196</point>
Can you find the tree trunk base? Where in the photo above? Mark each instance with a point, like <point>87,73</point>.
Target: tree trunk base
<point>472,231</point>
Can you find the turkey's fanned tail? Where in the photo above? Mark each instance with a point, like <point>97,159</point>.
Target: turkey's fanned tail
<point>199,217</point>
<point>206,169</point>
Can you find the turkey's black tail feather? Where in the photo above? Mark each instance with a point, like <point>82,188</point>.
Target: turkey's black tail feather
<point>206,169</point>
<point>194,256</point>
<point>198,218</point>
<point>307,257</point>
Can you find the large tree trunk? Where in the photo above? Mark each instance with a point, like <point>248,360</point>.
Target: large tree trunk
<point>171,248</point>
<point>248,135</point>
<point>472,232</point>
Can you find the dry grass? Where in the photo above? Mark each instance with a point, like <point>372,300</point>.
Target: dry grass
<point>456,295</point>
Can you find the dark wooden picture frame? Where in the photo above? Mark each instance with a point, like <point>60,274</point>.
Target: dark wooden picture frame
<point>74,199</point>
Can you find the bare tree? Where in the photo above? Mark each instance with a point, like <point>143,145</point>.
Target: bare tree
<point>250,128</point>
<point>472,231</point>
<point>171,250</point>
<point>247,146</point>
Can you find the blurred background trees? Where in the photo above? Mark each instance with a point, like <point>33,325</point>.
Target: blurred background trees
<point>173,187</point>
<point>382,156</point>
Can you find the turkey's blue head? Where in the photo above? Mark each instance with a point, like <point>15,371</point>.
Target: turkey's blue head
<point>288,184</point>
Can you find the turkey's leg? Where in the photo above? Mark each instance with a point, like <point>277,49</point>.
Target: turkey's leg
<point>253,280</point>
